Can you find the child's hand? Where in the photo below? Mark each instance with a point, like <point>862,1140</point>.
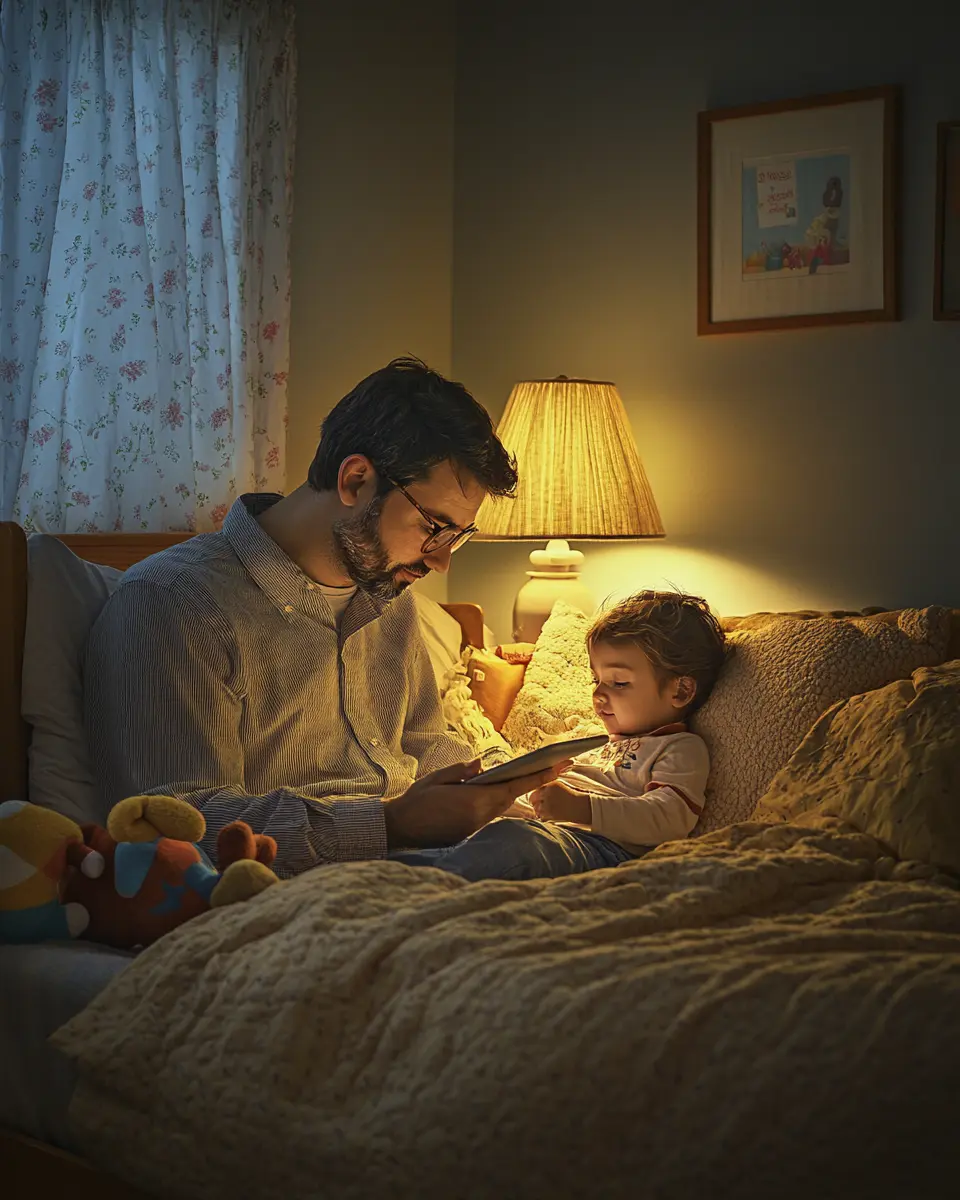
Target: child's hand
<point>558,801</point>
<point>521,807</point>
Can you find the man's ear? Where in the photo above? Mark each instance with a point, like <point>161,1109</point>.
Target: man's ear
<point>683,691</point>
<point>355,473</point>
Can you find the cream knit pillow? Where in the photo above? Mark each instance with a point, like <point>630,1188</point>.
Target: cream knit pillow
<point>780,678</point>
<point>556,699</point>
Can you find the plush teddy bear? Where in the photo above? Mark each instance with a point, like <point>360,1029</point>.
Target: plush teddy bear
<point>37,845</point>
<point>156,876</point>
<point>125,885</point>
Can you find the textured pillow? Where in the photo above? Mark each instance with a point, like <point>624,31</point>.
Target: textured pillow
<point>888,763</point>
<point>556,698</point>
<point>781,677</point>
<point>64,598</point>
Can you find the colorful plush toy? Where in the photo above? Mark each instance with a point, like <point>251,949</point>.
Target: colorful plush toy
<point>37,845</point>
<point>156,876</point>
<point>125,885</point>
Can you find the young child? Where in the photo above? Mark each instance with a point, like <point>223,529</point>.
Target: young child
<point>654,658</point>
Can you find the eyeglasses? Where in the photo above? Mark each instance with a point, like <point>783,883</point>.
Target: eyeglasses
<point>442,537</point>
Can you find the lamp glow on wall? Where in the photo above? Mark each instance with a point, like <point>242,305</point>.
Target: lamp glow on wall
<point>580,479</point>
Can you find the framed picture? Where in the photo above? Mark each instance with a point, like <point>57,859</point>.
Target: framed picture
<point>797,212</point>
<point>946,274</point>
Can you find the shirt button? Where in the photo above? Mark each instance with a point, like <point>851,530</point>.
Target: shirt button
<point>310,586</point>
<point>374,742</point>
<point>288,608</point>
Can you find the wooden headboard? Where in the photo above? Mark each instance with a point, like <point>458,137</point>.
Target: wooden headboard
<point>120,550</point>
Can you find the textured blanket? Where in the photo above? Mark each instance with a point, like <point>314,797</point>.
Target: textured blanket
<point>771,1010</point>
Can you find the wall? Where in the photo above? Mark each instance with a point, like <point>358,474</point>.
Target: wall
<point>808,468</point>
<point>372,233</point>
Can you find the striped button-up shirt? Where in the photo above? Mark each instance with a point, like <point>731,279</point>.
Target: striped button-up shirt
<point>216,673</point>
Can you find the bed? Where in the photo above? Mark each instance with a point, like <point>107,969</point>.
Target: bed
<point>786,991</point>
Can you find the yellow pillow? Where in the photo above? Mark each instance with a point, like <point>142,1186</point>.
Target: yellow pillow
<point>494,684</point>
<point>888,763</point>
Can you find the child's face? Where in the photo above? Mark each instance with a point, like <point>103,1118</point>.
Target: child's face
<point>628,696</point>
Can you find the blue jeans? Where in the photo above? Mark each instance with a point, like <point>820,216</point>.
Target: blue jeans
<point>520,848</point>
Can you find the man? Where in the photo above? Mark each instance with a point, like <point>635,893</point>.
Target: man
<point>274,672</point>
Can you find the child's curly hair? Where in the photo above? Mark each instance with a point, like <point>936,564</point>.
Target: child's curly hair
<point>678,634</point>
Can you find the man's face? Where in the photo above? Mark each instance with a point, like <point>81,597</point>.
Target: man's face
<point>381,548</point>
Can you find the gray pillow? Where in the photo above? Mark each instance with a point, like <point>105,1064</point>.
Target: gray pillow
<point>64,597</point>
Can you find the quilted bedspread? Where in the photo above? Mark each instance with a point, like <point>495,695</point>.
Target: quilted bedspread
<point>770,1010</point>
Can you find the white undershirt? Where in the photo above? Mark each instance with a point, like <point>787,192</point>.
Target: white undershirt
<point>338,598</point>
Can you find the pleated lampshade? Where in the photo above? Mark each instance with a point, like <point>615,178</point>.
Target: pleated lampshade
<point>580,474</point>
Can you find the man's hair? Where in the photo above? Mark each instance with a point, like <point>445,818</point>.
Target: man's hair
<point>678,634</point>
<point>406,419</point>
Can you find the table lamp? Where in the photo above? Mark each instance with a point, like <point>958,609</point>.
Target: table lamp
<point>580,479</point>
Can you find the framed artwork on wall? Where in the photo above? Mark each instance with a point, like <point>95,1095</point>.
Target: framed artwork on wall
<point>797,212</point>
<point>946,271</point>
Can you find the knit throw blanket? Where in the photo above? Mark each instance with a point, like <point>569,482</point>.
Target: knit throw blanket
<point>770,1010</point>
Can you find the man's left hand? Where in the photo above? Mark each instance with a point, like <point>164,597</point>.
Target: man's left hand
<point>558,801</point>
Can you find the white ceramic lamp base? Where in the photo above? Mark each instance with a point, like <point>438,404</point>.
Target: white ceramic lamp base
<point>555,576</point>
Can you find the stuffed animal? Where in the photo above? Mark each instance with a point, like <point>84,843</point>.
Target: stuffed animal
<point>37,845</point>
<point>155,874</point>
<point>125,885</point>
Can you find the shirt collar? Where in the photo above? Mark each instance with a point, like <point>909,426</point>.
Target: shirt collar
<point>673,727</point>
<point>277,575</point>
<point>662,731</point>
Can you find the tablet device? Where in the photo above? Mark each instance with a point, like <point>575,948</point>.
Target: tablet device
<point>539,760</point>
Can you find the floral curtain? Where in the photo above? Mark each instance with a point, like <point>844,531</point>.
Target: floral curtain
<point>146,156</point>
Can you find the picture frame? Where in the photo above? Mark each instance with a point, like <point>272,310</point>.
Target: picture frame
<point>797,212</point>
<point>946,272</point>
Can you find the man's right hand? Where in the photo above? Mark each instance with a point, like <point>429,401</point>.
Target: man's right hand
<point>438,811</point>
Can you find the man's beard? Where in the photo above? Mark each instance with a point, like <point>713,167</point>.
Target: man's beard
<point>364,558</point>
